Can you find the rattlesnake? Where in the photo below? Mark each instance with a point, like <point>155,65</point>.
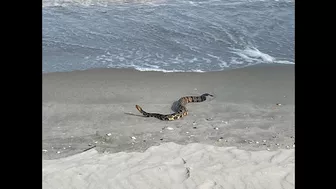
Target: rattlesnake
<point>181,110</point>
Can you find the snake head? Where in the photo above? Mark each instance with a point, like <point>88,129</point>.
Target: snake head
<point>207,94</point>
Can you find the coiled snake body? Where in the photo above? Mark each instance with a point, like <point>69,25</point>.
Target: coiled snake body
<point>181,110</point>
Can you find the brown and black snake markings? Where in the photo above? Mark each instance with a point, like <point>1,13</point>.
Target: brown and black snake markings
<point>181,110</point>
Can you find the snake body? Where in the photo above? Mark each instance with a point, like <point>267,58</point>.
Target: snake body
<point>181,110</point>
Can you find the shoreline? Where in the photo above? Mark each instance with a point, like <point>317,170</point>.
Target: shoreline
<point>168,72</point>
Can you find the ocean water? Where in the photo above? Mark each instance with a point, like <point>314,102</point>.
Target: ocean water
<point>166,35</point>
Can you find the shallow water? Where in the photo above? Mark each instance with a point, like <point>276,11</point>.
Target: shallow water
<point>166,35</point>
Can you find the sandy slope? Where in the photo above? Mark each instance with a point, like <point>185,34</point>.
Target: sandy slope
<point>173,166</point>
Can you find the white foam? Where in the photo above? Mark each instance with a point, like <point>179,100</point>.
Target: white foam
<point>223,64</point>
<point>235,2</point>
<point>253,55</point>
<point>163,70</point>
<point>283,62</point>
<point>63,3</point>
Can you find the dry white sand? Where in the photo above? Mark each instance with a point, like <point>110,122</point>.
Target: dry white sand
<point>241,138</point>
<point>173,166</point>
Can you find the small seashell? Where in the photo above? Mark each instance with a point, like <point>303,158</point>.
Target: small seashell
<point>257,142</point>
<point>277,144</point>
<point>264,140</point>
<point>293,145</point>
<point>268,149</point>
<point>216,128</point>
<point>287,146</point>
<point>109,134</point>
<point>170,128</point>
<point>187,132</point>
<point>44,150</point>
<point>58,152</point>
<point>133,138</point>
<point>278,104</point>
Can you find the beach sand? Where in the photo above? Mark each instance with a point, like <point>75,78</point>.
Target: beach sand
<point>243,137</point>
